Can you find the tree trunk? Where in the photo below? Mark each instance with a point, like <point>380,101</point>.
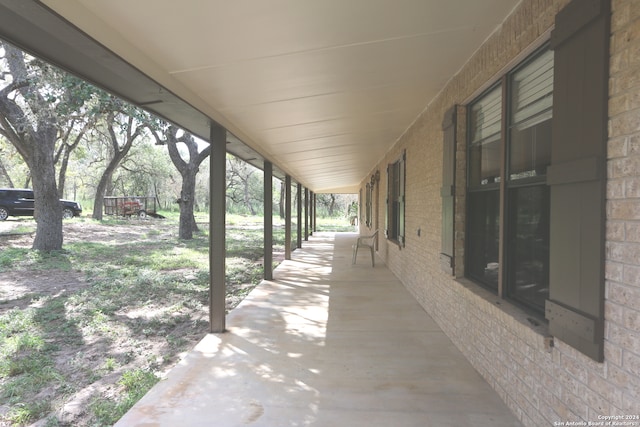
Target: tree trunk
<point>105,181</point>
<point>188,172</point>
<point>332,204</point>
<point>187,196</point>
<point>66,154</point>
<point>247,195</point>
<point>62,173</point>
<point>32,129</point>
<point>48,210</point>
<point>281,203</point>
<point>3,172</point>
<point>119,153</point>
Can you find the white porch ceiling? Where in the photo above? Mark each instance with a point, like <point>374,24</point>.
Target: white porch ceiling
<point>322,89</point>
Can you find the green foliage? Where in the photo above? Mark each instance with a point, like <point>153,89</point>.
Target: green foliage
<point>110,364</point>
<point>23,414</point>
<point>16,168</point>
<point>34,260</point>
<point>138,382</point>
<point>32,337</point>
<point>26,365</point>
<point>245,187</point>
<point>135,383</point>
<point>340,224</point>
<point>21,343</point>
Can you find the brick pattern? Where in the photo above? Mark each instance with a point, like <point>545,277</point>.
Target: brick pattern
<point>541,384</point>
<point>622,305</point>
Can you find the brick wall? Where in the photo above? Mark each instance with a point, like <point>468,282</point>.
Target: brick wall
<point>540,383</point>
<point>622,305</point>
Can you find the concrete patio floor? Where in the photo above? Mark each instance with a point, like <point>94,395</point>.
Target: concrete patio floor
<point>326,343</point>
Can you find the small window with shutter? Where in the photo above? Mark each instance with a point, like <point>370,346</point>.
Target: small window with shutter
<point>396,200</point>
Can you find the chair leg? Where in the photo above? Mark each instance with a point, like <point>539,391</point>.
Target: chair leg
<point>373,263</point>
<point>355,254</point>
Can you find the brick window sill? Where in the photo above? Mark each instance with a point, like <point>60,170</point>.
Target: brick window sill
<point>501,307</point>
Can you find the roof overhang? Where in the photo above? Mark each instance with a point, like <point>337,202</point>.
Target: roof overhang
<point>320,89</point>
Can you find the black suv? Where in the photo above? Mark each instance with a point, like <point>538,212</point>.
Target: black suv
<point>19,202</point>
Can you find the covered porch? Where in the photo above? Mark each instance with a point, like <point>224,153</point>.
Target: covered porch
<point>380,98</point>
<point>325,343</point>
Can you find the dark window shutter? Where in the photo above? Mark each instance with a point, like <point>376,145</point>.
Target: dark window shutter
<point>402,171</point>
<point>389,202</point>
<point>448,189</point>
<point>577,175</point>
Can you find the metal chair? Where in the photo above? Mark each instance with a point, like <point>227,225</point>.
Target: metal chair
<point>365,242</point>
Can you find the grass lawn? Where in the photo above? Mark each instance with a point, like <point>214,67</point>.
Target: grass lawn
<point>85,332</point>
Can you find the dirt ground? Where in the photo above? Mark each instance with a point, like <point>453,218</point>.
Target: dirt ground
<point>16,286</point>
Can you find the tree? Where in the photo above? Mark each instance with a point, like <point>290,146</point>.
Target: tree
<point>5,176</point>
<point>281,200</point>
<point>145,172</point>
<point>188,169</point>
<point>124,124</point>
<point>244,186</point>
<point>44,113</point>
<point>332,205</point>
<point>327,204</point>
<point>29,120</point>
<point>68,142</point>
<point>16,172</point>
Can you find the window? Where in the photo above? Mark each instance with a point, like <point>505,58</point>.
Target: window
<point>368,205</point>
<point>535,229</point>
<point>484,177</point>
<point>509,149</point>
<point>395,200</point>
